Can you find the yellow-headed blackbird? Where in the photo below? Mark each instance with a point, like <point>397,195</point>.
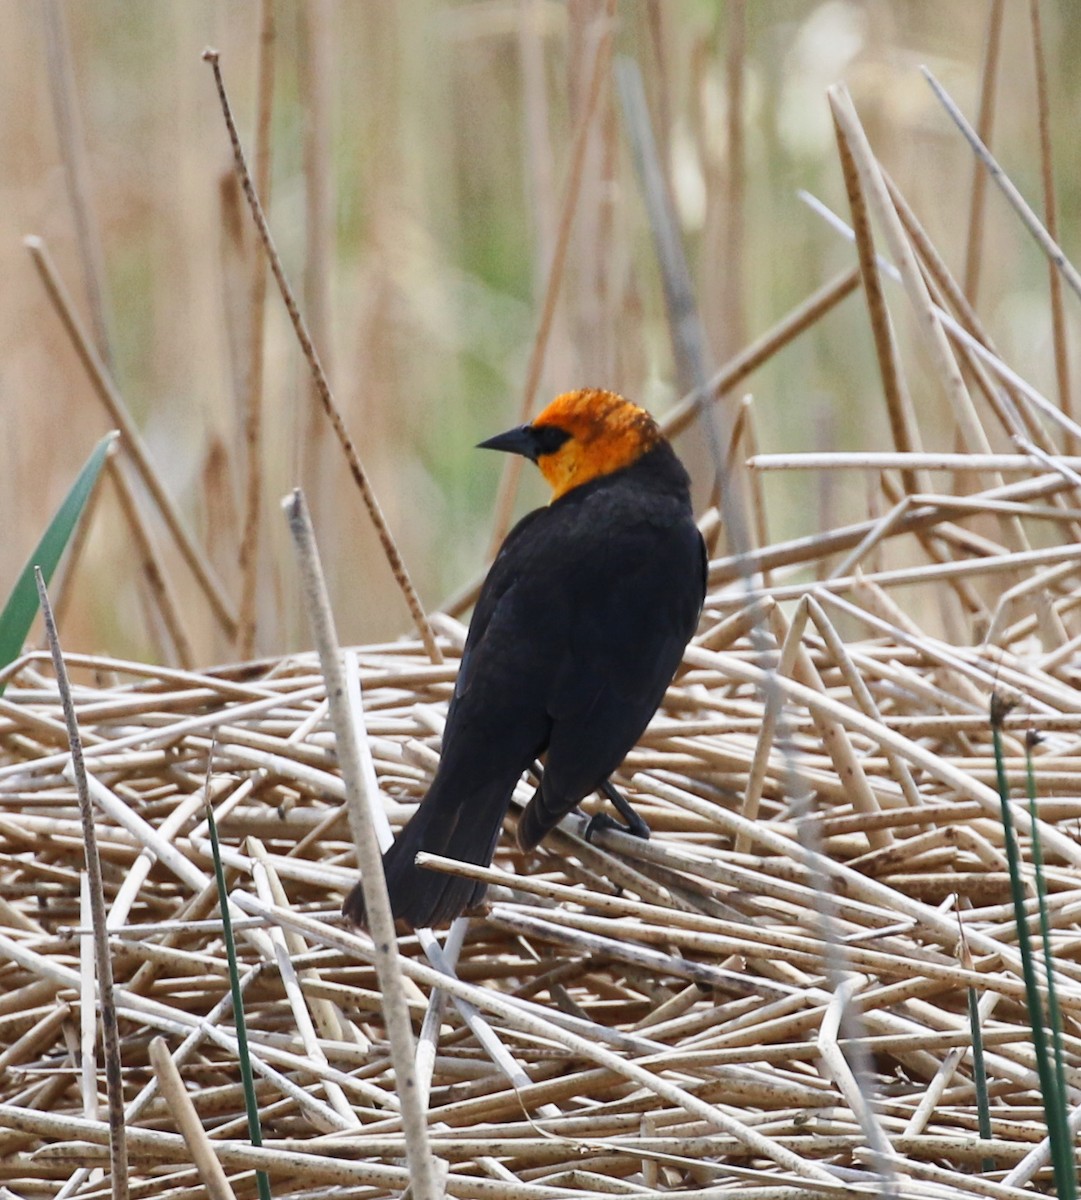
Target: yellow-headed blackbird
<point>577,632</point>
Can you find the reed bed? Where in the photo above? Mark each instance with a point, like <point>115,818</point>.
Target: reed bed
<point>768,998</point>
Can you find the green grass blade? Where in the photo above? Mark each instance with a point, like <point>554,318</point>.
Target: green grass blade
<point>1053,1102</point>
<point>255,1132</point>
<point>22,604</point>
<point>979,1072</point>
<point>1069,1191</point>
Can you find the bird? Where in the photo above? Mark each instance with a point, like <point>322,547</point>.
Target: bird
<point>579,628</point>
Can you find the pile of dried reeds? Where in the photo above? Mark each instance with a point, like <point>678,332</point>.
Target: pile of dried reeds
<point>771,991</point>
<point>768,998</point>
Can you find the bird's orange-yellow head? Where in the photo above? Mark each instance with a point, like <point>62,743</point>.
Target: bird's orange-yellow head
<point>580,436</point>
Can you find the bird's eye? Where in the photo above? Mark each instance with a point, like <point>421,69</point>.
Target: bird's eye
<point>549,438</point>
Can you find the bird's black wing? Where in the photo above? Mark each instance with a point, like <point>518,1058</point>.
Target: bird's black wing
<point>634,602</point>
<point>496,725</point>
<point>498,720</point>
<point>514,556</point>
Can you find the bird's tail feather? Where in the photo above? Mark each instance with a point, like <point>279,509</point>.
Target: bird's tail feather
<point>466,828</point>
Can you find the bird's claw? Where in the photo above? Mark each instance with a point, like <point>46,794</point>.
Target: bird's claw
<point>600,821</point>
<point>635,826</point>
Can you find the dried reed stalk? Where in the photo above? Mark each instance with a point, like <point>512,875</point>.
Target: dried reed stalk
<point>253,391</point>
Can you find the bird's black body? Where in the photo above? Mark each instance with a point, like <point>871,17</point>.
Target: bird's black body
<point>577,633</point>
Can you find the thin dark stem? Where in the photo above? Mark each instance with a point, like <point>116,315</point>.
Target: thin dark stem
<point>110,1036</point>
<point>322,385</point>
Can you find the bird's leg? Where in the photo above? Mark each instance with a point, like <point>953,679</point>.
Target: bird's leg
<point>635,826</point>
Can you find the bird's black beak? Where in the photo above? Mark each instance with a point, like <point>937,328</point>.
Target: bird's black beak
<point>530,441</point>
<point>522,439</point>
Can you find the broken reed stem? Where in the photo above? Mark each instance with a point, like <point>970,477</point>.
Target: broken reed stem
<point>322,384</point>
<point>759,512</point>
<point>191,1128</point>
<point>985,121</point>
<point>834,737</point>
<point>772,715</point>
<point>118,1155</point>
<point>422,1166</point>
<point>898,401</point>
<point>132,440</point>
<point>883,460</point>
<point>512,468</point>
<point>861,693</point>
<point>253,391</point>
<point>1050,205</point>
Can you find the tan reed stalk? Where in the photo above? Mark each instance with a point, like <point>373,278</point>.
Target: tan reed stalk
<point>187,1119</point>
<point>67,116</point>
<point>974,247</point>
<point>253,391</point>
<point>1032,223</point>
<point>316,29</point>
<point>422,1166</point>
<point>898,401</point>
<point>153,570</point>
<point>971,430</point>
<point>689,348</point>
<point>733,307</point>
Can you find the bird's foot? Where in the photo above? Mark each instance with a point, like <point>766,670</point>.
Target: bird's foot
<point>601,821</point>
<point>635,826</point>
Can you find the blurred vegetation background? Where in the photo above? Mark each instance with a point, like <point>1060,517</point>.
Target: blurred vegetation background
<point>419,154</point>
